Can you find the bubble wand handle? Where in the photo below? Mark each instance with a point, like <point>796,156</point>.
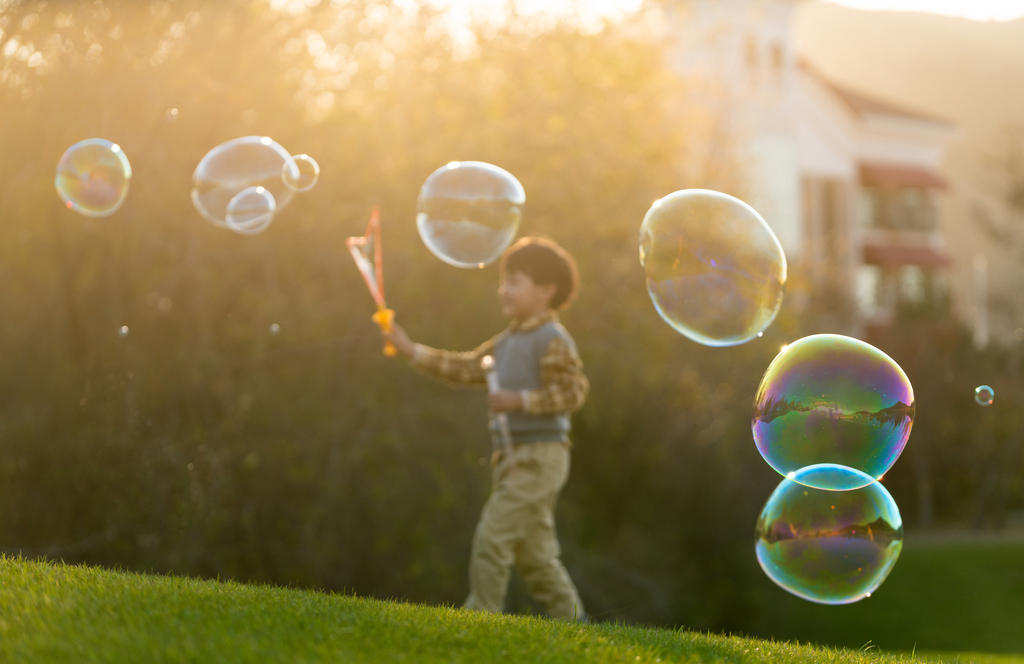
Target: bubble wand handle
<point>385,318</point>
<point>487,364</point>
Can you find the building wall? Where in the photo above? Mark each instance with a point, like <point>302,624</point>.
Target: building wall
<point>745,49</point>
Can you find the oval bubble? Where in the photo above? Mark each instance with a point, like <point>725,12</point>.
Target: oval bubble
<point>229,168</point>
<point>829,547</point>
<point>832,399</point>
<point>715,270</point>
<point>300,173</point>
<point>468,212</point>
<point>984,395</point>
<point>93,177</point>
<point>251,211</point>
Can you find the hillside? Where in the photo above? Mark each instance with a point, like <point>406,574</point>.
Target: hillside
<point>60,613</point>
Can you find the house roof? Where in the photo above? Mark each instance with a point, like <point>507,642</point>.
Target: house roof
<point>864,105</point>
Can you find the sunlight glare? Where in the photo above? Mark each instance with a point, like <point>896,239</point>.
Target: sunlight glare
<point>976,10</point>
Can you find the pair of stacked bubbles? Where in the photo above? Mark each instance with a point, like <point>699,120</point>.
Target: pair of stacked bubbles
<point>831,415</point>
<point>239,185</point>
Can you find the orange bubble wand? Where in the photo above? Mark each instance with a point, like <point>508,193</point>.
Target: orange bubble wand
<point>373,274</point>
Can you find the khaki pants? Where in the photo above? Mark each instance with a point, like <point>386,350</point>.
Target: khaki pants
<point>517,525</point>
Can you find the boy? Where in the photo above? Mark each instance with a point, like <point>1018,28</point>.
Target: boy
<point>542,379</point>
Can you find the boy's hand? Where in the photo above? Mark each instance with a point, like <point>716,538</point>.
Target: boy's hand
<point>505,400</point>
<point>400,339</point>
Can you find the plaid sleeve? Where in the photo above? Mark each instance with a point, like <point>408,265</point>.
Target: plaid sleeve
<point>458,368</point>
<point>563,385</point>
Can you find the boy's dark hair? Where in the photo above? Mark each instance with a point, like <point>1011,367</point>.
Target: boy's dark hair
<point>546,263</point>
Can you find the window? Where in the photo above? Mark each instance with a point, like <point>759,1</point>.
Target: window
<point>897,208</point>
<point>911,284</point>
<point>865,209</point>
<point>869,281</point>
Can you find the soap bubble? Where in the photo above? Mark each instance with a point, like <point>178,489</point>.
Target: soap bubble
<point>171,115</point>
<point>984,395</point>
<point>468,212</point>
<point>832,399</point>
<point>122,331</point>
<point>715,270</point>
<point>300,173</point>
<point>93,176</point>
<point>229,168</point>
<point>251,211</point>
<point>830,547</point>
<point>275,328</point>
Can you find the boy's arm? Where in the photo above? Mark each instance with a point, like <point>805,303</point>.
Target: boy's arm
<point>563,385</point>
<point>453,367</point>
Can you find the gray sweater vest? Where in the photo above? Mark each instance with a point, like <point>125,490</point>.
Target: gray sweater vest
<point>517,357</point>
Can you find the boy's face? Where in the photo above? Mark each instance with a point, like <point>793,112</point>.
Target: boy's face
<point>522,298</point>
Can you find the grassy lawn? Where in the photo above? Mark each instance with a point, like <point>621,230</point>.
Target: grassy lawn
<point>59,613</point>
<point>950,597</point>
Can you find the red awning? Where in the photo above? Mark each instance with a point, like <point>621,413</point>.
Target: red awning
<point>896,255</point>
<point>887,175</point>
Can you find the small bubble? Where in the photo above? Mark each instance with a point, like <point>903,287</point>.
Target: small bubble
<point>122,331</point>
<point>92,177</point>
<point>760,334</point>
<point>275,328</point>
<point>171,115</point>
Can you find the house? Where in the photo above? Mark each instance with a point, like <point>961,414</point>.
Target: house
<point>849,183</point>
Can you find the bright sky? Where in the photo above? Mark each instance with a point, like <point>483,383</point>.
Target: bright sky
<point>595,10</point>
<point>978,10</point>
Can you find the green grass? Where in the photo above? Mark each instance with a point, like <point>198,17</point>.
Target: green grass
<point>949,597</point>
<point>61,613</point>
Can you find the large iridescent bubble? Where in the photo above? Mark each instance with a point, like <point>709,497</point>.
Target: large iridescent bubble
<point>93,177</point>
<point>468,212</point>
<point>715,270</point>
<point>833,399</point>
<point>830,547</point>
<point>230,168</point>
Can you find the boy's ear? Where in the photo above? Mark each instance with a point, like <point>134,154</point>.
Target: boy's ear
<point>549,291</point>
